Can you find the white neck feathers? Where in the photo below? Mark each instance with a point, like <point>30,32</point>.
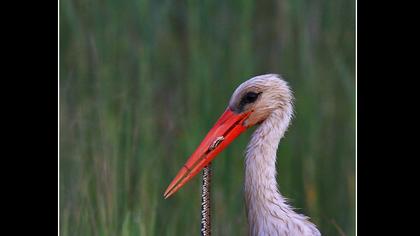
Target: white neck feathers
<point>268,212</point>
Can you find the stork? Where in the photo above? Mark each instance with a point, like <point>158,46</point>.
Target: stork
<point>266,101</point>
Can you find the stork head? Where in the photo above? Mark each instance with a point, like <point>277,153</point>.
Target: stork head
<point>251,103</point>
<point>260,96</point>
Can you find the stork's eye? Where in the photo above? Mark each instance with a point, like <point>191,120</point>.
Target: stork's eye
<point>250,97</point>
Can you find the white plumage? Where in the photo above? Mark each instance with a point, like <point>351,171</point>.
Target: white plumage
<point>267,210</point>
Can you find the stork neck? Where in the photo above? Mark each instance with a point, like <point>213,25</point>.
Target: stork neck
<point>262,197</point>
<point>260,159</point>
<point>268,212</point>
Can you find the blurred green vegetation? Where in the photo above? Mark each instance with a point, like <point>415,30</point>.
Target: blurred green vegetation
<point>142,81</point>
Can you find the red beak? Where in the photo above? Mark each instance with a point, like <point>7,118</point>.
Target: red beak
<point>226,129</point>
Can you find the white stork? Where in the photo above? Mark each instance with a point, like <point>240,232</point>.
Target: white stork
<point>267,101</point>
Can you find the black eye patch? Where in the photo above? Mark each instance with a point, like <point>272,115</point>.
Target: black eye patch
<point>248,98</point>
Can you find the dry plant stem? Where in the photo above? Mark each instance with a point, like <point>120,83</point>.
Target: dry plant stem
<point>206,202</point>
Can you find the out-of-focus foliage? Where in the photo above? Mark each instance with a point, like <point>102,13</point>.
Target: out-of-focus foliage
<point>142,81</point>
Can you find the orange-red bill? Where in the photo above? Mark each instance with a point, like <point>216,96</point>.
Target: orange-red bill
<point>226,129</point>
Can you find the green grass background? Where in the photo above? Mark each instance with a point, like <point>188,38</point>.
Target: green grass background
<point>142,81</point>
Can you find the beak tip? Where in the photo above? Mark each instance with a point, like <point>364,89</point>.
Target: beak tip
<point>166,195</point>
